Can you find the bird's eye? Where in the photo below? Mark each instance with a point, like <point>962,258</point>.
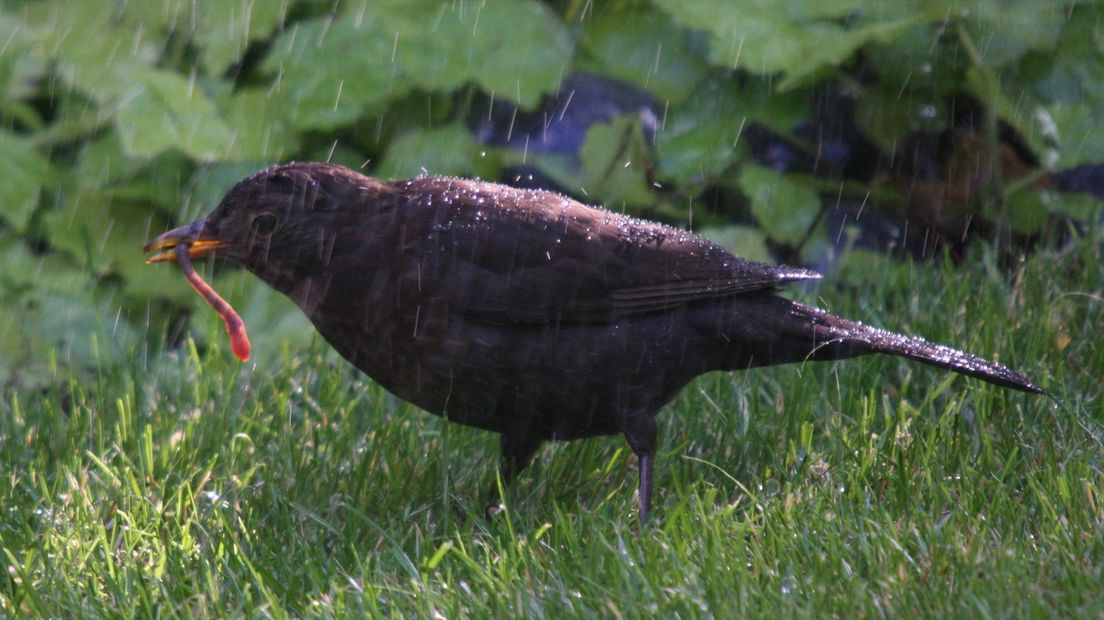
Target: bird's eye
<point>264,223</point>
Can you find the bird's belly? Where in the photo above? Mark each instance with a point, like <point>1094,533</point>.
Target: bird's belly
<point>559,382</point>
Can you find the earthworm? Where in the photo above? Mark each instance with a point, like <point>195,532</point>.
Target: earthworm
<point>235,327</point>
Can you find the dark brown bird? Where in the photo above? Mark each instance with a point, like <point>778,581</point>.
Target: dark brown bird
<point>525,312</point>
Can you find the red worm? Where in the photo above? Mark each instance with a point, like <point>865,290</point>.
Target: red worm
<point>235,327</point>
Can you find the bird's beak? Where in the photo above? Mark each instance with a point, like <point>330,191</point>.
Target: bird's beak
<point>199,244</point>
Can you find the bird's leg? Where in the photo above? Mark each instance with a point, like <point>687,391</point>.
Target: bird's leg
<point>641,436</point>
<point>517,453</point>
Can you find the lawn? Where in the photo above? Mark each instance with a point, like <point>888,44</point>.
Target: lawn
<point>187,484</point>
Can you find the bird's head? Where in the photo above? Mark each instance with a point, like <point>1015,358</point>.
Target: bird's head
<point>281,223</point>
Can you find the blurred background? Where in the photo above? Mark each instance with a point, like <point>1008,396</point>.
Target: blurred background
<point>811,132</point>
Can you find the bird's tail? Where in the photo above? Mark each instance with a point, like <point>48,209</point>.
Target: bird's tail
<point>837,338</point>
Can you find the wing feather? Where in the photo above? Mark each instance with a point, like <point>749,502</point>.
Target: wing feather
<point>565,262</point>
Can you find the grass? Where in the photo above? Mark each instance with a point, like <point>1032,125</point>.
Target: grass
<point>189,485</point>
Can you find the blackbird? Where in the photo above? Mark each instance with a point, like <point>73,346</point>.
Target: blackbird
<point>525,312</point>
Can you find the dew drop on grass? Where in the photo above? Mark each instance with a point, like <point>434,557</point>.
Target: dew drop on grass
<point>789,584</point>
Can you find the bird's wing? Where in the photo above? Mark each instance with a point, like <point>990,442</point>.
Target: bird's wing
<point>518,256</point>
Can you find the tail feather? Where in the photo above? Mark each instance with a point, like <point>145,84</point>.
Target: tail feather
<point>921,350</point>
<point>844,338</point>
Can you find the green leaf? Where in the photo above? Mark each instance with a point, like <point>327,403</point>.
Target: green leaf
<point>448,150</point>
<point>610,169</point>
<point>702,137</point>
<point>1026,211</point>
<point>228,27</point>
<point>331,70</point>
<point>262,131</point>
<point>1035,124</point>
<point>783,205</point>
<point>102,54</point>
<point>25,172</point>
<point>22,270</point>
<point>157,17</point>
<point>94,48</point>
<point>614,157</point>
<point>1070,95</point>
<point>798,38</point>
<point>918,62</point>
<point>516,49</point>
<point>826,47</point>
<point>47,307</point>
<point>82,333</point>
<point>104,172</point>
<point>161,110</point>
<point>106,237</point>
<point>1004,30</point>
<point>315,89</point>
<point>644,47</point>
<point>221,31</point>
<point>1078,207</point>
<point>743,241</point>
<point>1076,68</point>
<point>887,119</point>
<point>799,10</point>
<point>20,67</point>
<point>934,11</point>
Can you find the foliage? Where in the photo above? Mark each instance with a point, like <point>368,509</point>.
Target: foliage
<point>118,119</point>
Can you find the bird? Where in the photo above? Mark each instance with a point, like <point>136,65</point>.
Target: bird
<point>521,311</point>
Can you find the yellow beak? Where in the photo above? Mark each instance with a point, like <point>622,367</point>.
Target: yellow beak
<point>192,234</point>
